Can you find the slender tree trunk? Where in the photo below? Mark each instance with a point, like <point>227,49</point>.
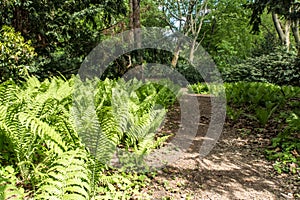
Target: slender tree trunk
<point>175,56</point>
<point>287,34</point>
<point>278,27</point>
<point>186,30</point>
<point>131,14</point>
<point>284,35</point>
<point>193,24</point>
<point>135,24</point>
<point>196,28</point>
<point>295,29</point>
<point>193,49</point>
<point>136,21</point>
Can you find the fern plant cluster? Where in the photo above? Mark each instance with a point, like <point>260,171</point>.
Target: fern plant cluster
<point>58,136</point>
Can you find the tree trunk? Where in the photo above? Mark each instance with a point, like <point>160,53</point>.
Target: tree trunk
<point>295,29</point>
<point>278,27</point>
<point>287,34</point>
<point>136,21</point>
<point>175,56</point>
<point>135,25</point>
<point>193,49</point>
<point>196,12</point>
<point>186,30</point>
<point>131,15</point>
<point>283,35</point>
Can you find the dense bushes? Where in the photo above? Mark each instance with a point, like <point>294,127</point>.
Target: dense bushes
<point>279,67</point>
<point>16,57</point>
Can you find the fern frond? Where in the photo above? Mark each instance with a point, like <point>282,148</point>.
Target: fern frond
<point>87,123</point>
<point>8,92</point>
<point>146,124</point>
<point>120,108</point>
<point>8,184</point>
<point>109,125</point>
<point>52,138</point>
<point>68,178</point>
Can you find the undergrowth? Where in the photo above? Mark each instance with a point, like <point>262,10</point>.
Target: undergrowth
<point>265,103</point>
<point>57,137</point>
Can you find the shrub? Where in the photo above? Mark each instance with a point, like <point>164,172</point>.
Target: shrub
<point>16,57</point>
<point>279,67</point>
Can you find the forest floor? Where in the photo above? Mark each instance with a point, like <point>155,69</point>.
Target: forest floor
<point>235,169</point>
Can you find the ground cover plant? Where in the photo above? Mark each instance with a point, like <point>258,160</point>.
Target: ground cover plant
<point>267,104</point>
<point>42,153</point>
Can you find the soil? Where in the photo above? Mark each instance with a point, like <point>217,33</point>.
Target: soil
<point>235,169</point>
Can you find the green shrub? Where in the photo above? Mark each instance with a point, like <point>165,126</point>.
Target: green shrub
<point>16,57</point>
<point>280,67</point>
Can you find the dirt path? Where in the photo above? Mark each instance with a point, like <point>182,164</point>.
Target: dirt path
<point>235,169</point>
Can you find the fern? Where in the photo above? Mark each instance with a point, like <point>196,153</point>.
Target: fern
<point>8,92</point>
<point>44,125</point>
<point>8,184</point>
<point>19,140</point>
<point>68,178</point>
<point>36,124</point>
<point>52,139</point>
<point>87,123</point>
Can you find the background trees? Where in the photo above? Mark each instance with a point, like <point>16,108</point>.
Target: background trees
<point>62,33</point>
<point>186,17</point>
<point>285,15</point>
<point>227,34</point>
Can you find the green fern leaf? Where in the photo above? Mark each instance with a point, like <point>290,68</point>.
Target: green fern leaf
<point>68,177</point>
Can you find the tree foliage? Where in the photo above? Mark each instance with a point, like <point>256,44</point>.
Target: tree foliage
<point>17,55</point>
<point>285,14</point>
<point>227,33</point>
<point>286,8</point>
<point>62,32</point>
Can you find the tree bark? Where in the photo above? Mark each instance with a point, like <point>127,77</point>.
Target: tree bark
<point>131,15</point>
<point>134,22</point>
<point>186,30</point>
<point>135,25</point>
<point>287,33</point>
<point>192,27</point>
<point>284,35</point>
<point>175,56</point>
<point>295,29</point>
<point>278,27</point>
